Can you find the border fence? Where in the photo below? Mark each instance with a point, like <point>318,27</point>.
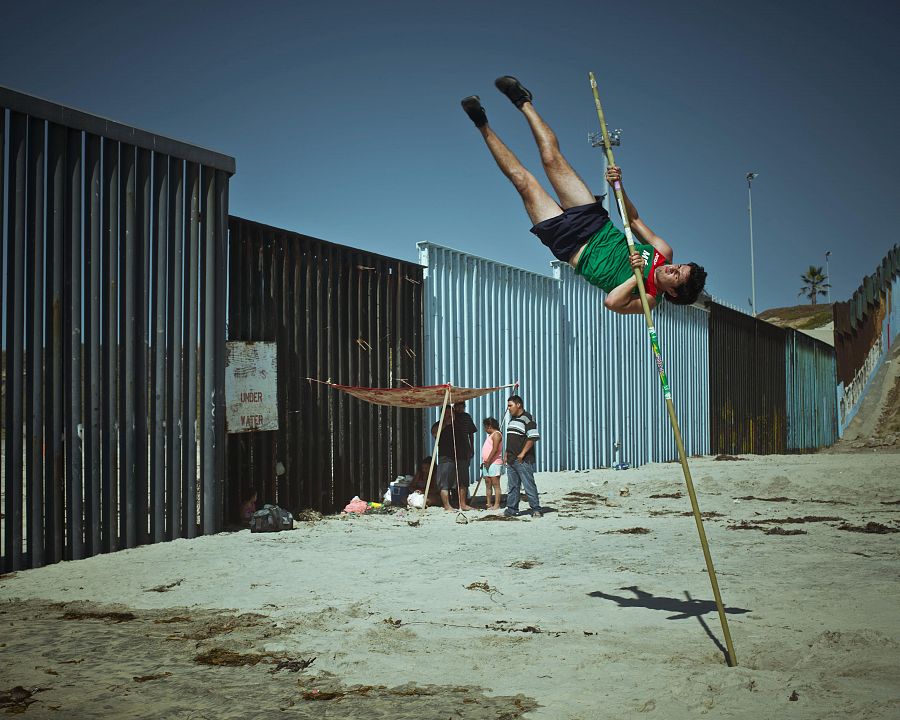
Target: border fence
<point>339,314</point>
<point>583,371</point>
<point>740,385</point>
<point>864,329</point>
<point>113,299</point>
<point>123,274</point>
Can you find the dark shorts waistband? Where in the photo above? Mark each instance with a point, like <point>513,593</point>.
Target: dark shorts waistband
<point>567,232</point>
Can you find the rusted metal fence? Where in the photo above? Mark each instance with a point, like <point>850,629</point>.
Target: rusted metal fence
<point>748,412</point>
<point>864,329</point>
<point>113,317</point>
<point>338,314</point>
<point>772,390</point>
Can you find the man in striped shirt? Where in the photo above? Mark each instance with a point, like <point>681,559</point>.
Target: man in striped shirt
<point>521,435</point>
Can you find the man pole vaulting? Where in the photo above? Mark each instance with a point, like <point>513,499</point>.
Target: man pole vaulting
<point>577,229</point>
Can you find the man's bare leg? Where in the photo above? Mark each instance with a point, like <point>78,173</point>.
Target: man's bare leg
<point>538,203</point>
<point>570,188</point>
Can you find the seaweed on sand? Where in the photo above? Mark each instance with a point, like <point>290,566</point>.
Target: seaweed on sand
<point>116,617</point>
<point>628,531</point>
<point>744,525</point>
<point>228,658</point>
<point>870,527</point>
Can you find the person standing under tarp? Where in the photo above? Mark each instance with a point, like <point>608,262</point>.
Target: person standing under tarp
<point>521,435</point>
<point>451,452</point>
<point>464,429</point>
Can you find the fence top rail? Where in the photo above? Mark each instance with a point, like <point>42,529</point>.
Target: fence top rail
<point>425,245</point>
<point>80,120</point>
<point>253,225</point>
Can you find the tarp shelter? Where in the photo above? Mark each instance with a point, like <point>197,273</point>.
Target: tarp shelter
<point>419,397</point>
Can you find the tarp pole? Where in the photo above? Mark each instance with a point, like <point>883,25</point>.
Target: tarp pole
<point>435,450</point>
<point>654,342</point>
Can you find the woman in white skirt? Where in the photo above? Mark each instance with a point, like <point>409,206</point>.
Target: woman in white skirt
<point>491,462</point>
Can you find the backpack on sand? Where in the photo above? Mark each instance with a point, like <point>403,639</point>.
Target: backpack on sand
<point>271,518</point>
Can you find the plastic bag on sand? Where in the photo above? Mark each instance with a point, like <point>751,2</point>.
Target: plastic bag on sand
<point>356,506</point>
<point>416,500</point>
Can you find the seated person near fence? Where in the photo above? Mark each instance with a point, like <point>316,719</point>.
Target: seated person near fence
<point>248,507</point>
<point>421,478</point>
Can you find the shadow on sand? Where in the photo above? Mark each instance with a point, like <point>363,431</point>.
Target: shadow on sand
<point>679,609</point>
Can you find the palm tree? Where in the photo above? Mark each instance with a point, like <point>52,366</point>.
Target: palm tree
<point>814,284</point>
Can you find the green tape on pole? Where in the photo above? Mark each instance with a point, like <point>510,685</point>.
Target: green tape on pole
<point>654,343</point>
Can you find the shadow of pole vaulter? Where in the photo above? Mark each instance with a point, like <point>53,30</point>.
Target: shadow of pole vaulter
<point>680,609</point>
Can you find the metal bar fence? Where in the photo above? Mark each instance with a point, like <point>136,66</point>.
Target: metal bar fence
<point>335,313</point>
<point>585,372</point>
<point>748,411</point>
<point>811,402</point>
<point>100,237</point>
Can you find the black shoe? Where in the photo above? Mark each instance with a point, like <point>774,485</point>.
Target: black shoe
<point>476,113</point>
<point>513,89</point>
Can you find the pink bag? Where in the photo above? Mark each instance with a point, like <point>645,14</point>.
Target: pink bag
<point>356,506</point>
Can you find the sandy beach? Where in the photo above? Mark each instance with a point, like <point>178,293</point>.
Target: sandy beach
<point>601,609</point>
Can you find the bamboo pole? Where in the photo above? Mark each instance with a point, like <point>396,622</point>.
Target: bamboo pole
<point>434,454</point>
<point>654,342</point>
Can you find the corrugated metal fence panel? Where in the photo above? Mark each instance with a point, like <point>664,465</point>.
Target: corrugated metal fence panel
<point>809,392</point>
<point>614,407</point>
<point>80,280</point>
<point>747,384</point>
<point>338,314</point>
<point>489,324</point>
<point>587,374</point>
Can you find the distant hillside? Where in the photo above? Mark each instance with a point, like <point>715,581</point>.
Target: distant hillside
<point>799,317</point>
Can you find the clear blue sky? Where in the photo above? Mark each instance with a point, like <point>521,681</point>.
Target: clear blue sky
<point>345,120</point>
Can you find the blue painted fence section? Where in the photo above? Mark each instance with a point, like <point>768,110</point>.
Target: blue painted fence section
<point>614,398</point>
<point>810,375</point>
<point>489,324</point>
<point>587,374</point>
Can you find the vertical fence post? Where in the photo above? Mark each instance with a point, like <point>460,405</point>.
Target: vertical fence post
<point>110,341</point>
<point>34,242</point>
<point>144,299</point>
<point>189,474</point>
<point>15,330</point>
<point>158,350</point>
<point>129,291</point>
<point>53,478</point>
<point>74,348</point>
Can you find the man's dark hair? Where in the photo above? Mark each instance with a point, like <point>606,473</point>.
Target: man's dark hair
<point>491,422</point>
<point>688,293</point>
<point>517,399</point>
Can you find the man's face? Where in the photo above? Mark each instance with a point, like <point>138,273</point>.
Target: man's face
<point>459,407</point>
<point>514,408</point>
<point>669,277</point>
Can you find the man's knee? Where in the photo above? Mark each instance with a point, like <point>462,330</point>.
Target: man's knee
<point>523,181</point>
<point>552,159</point>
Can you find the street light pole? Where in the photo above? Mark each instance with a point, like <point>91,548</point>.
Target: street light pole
<point>828,275</point>
<point>750,177</point>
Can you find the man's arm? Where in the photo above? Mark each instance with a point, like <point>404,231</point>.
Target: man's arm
<point>613,174</point>
<point>526,448</point>
<point>621,299</point>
